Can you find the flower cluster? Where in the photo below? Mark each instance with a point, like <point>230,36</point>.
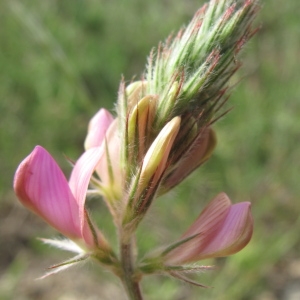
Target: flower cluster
<point>162,133</point>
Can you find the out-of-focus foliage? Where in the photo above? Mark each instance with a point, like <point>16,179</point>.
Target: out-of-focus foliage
<point>60,61</point>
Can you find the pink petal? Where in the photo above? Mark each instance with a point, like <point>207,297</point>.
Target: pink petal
<point>42,187</point>
<point>113,146</point>
<point>97,128</point>
<point>235,233</point>
<point>223,229</point>
<point>208,223</point>
<point>79,181</point>
<point>211,217</point>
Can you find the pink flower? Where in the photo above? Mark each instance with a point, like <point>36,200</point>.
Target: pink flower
<point>42,187</point>
<point>220,230</point>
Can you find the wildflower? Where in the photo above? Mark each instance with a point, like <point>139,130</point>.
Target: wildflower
<point>221,229</point>
<point>42,187</point>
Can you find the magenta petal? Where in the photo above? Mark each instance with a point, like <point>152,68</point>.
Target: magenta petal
<point>79,182</point>
<point>42,187</point>
<point>97,128</point>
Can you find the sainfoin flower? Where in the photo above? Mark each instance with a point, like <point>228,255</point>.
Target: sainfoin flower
<point>42,187</point>
<point>220,230</point>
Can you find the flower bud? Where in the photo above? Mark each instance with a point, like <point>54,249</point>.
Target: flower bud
<point>156,157</point>
<point>139,125</point>
<point>134,92</point>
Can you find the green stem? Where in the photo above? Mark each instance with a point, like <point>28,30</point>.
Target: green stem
<point>129,278</point>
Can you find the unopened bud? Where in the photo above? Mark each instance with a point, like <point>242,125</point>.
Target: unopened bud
<point>156,157</point>
<point>135,91</point>
<point>139,120</point>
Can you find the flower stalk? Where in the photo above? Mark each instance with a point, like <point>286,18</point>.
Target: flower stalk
<point>129,279</point>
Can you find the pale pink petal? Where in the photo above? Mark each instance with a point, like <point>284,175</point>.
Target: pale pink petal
<point>212,215</point>
<point>223,229</point>
<point>41,186</point>
<point>234,235</point>
<point>111,159</point>
<point>206,225</point>
<point>97,128</point>
<point>79,181</point>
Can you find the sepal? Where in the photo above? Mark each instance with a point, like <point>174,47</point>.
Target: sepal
<point>198,153</point>
<point>65,265</point>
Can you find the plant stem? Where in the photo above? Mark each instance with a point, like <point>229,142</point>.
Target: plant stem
<point>129,280</point>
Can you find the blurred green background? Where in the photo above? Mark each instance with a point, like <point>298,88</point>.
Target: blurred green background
<point>60,61</point>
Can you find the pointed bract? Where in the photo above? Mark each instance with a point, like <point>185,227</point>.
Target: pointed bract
<point>65,265</point>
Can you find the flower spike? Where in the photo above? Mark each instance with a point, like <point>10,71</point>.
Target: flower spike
<point>161,133</point>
